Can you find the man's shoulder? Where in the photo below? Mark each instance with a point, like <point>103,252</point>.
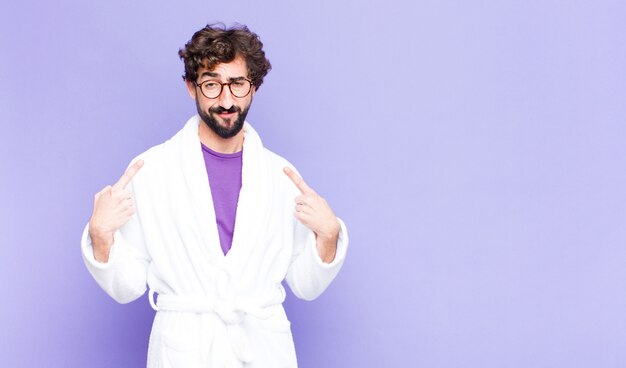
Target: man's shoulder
<point>166,148</point>
<point>155,152</point>
<point>162,155</point>
<point>276,164</point>
<point>276,160</point>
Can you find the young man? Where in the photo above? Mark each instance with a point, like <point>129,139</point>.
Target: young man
<point>213,222</point>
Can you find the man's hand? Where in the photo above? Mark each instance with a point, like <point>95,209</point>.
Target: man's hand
<point>113,206</point>
<point>313,212</point>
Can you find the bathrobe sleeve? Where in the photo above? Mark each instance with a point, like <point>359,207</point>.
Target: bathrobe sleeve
<point>124,276</point>
<point>308,276</point>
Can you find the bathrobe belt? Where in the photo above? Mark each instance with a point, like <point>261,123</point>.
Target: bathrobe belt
<point>234,317</point>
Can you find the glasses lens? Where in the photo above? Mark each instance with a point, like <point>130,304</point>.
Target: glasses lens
<point>211,89</point>
<point>240,88</point>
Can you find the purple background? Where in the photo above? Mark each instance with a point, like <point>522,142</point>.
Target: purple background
<point>476,151</point>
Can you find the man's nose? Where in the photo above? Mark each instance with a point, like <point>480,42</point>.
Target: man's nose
<point>225,99</point>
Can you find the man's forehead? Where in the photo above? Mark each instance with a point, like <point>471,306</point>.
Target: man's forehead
<point>232,69</point>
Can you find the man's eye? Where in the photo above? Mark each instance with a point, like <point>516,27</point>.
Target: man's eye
<point>238,83</point>
<point>211,85</point>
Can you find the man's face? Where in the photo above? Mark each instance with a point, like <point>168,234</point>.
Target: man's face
<point>225,114</point>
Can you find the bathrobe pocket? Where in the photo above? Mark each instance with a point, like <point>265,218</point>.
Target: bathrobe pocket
<point>273,345</point>
<point>180,341</point>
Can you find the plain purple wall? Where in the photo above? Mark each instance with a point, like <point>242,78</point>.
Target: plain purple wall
<point>476,151</point>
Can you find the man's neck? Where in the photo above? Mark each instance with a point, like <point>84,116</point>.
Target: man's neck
<point>218,144</point>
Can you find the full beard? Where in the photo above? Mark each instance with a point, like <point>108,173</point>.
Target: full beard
<point>221,130</point>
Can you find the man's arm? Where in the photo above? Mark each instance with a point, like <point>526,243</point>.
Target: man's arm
<point>112,243</point>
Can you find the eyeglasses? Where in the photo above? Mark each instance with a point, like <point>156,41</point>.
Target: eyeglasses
<point>212,89</point>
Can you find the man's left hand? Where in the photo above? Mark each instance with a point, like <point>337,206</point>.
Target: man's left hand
<point>314,212</point>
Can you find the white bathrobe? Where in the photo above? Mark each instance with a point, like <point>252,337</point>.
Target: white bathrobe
<point>214,310</point>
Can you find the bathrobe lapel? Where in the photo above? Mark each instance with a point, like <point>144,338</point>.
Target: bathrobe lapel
<point>253,204</point>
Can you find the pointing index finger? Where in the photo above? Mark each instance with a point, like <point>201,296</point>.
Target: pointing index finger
<point>298,181</point>
<point>128,175</point>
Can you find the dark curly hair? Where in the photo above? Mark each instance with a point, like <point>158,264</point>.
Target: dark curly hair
<point>215,44</point>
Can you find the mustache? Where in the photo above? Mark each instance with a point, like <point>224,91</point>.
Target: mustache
<point>221,110</point>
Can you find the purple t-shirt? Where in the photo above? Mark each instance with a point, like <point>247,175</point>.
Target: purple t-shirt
<point>224,171</point>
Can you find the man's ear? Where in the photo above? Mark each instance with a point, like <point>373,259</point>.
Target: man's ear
<point>191,88</point>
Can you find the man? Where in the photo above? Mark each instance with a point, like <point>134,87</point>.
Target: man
<point>213,222</point>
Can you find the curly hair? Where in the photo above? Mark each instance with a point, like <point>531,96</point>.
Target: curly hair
<point>215,44</point>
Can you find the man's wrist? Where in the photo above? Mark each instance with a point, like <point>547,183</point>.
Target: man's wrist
<point>101,242</point>
<point>331,236</point>
<point>327,246</point>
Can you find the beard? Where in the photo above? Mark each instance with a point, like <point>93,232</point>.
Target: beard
<point>225,132</point>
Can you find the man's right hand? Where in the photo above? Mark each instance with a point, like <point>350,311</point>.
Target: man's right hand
<point>113,206</point>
